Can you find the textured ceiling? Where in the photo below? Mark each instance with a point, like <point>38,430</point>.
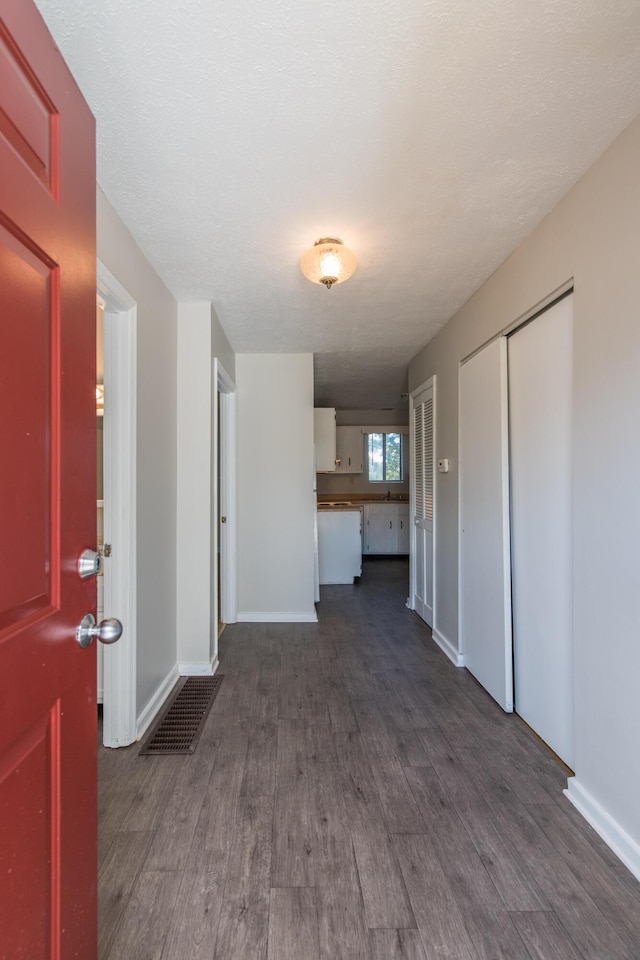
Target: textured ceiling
<point>430,135</point>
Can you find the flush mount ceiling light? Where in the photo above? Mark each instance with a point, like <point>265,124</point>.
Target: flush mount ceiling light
<point>328,262</point>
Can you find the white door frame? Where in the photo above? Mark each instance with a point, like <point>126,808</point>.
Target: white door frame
<point>120,384</point>
<point>225,533</point>
<point>431,382</point>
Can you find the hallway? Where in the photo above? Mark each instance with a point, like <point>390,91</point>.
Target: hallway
<point>354,796</point>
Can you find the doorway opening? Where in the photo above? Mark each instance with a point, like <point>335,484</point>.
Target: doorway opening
<point>119,507</point>
<point>223,541</point>
<point>100,305</point>
<point>422,504</point>
<point>221,514</point>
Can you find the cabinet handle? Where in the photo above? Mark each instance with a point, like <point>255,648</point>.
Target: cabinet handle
<point>390,524</point>
<point>401,524</point>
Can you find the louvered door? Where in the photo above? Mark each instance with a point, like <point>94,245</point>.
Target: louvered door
<point>422,504</point>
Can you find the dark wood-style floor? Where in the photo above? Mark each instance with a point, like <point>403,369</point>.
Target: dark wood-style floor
<point>354,797</point>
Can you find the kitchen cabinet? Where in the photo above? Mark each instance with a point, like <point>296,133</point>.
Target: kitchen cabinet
<point>349,450</point>
<point>402,529</point>
<point>324,438</point>
<point>379,534</point>
<point>386,528</point>
<point>340,545</point>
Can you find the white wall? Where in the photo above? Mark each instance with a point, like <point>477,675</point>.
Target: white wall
<point>194,481</point>
<point>275,486</point>
<point>156,449</point>
<point>355,418</point>
<point>592,236</point>
<point>200,337</point>
<point>220,346</point>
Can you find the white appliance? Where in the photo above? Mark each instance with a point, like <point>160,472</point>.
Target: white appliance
<point>340,544</point>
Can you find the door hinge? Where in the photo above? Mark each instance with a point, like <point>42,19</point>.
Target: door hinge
<point>106,550</point>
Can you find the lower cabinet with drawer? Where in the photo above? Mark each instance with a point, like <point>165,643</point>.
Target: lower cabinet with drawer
<point>386,528</point>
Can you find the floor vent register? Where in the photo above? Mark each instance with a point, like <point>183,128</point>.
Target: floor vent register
<point>181,722</point>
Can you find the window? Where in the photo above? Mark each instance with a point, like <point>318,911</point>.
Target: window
<point>384,457</point>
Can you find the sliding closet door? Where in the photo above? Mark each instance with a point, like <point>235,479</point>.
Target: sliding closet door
<point>540,451</point>
<point>485,590</point>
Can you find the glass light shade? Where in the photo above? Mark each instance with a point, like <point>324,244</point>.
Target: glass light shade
<point>328,262</point>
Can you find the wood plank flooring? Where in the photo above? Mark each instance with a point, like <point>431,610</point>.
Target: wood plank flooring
<point>353,797</point>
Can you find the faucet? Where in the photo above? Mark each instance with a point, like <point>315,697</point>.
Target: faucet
<point>388,494</point>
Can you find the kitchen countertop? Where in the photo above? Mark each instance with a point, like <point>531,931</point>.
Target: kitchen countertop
<point>355,501</point>
<point>340,505</point>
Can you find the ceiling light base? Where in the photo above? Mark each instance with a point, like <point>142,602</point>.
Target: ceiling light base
<point>328,262</point>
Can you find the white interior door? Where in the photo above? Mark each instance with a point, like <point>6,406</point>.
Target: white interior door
<point>485,589</point>
<point>422,505</point>
<point>120,484</point>
<point>540,384</point>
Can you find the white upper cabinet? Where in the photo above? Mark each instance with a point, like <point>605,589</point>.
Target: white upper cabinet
<point>324,435</point>
<point>349,450</point>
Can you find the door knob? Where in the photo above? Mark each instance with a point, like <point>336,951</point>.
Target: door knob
<point>107,631</point>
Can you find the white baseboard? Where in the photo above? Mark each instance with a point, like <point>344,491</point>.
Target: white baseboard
<point>271,617</point>
<point>457,659</point>
<point>149,712</point>
<point>622,844</point>
<point>198,669</point>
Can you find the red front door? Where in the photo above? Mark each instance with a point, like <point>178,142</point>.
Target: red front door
<point>47,499</point>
